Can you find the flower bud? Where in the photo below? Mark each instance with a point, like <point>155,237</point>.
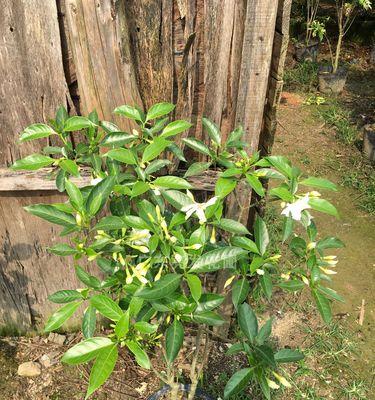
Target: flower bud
<point>311,245</point>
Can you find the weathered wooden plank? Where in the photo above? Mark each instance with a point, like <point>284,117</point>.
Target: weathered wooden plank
<point>43,180</point>
<point>98,35</point>
<point>32,87</point>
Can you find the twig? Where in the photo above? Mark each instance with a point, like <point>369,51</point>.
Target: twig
<point>362,313</point>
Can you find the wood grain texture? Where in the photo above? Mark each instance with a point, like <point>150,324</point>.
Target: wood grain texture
<point>98,36</point>
<point>32,87</point>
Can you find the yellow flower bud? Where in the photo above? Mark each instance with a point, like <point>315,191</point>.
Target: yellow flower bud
<point>272,384</point>
<point>305,280</point>
<point>283,204</point>
<point>213,236</point>
<point>328,271</point>
<point>311,245</point>
<point>282,380</point>
<point>79,219</point>
<point>314,193</point>
<point>229,281</point>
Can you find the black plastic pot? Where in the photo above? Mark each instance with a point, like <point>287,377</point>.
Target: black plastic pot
<point>330,82</point>
<point>306,52</point>
<point>199,394</point>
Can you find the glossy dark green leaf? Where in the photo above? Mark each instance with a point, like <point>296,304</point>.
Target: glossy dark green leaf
<point>51,214</point>
<point>323,305</point>
<point>36,131</point>
<point>175,128</point>
<point>261,235</point>
<point>110,223</point>
<point>140,355</point>
<point>293,285</point>
<point>60,316</point>
<point>159,109</point>
<point>288,355</point>
<point>65,296</point>
<point>77,123</point>
<point>107,307</point>
<point>129,112</point>
<point>209,318</point>
<point>197,145</point>
<point>172,182</point>
<point>174,337</point>
<point>154,149</point>
<point>319,183</point>
<point>32,162</point>
<point>255,184</point>
<point>232,226</point>
<point>238,382</point>
<point>62,249</point>
<point>212,130</point>
<point>195,286</point>
<point>264,332</point>
<point>89,322</point>
<point>323,206</point>
<point>69,166</point>
<point>103,366</point>
<point>240,291</point>
<point>225,257</point>
<point>265,354</point>
<point>197,168</point>
<point>99,194</point>
<point>122,155</point>
<point>166,285</point>
<point>247,321</point>
<point>245,243</point>
<point>75,195</point>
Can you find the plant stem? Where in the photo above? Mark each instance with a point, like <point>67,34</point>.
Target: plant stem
<point>338,51</point>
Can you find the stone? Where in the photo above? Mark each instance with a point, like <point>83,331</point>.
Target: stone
<point>369,141</point>
<point>56,338</point>
<point>45,361</point>
<point>29,369</point>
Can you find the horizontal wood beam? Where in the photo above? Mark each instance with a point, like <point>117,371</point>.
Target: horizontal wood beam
<point>42,180</point>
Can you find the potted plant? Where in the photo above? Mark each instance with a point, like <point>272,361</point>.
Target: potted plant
<point>332,78</point>
<point>154,245</point>
<point>307,48</point>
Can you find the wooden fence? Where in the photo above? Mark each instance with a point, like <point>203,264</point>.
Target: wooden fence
<point>218,58</point>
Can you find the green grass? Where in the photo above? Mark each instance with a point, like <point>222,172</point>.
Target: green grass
<point>303,77</point>
<point>341,119</point>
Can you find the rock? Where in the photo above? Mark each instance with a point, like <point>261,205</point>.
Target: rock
<point>369,141</point>
<point>45,361</point>
<point>56,338</point>
<point>29,369</point>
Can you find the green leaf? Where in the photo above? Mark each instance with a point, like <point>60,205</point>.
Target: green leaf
<point>212,130</point>
<point>247,321</point>
<point>110,223</point>
<point>264,385</point>
<point>158,110</point>
<point>261,235</point>
<point>265,353</point>
<point>156,165</point>
<point>36,131</point>
<point>224,186</point>
<point>51,214</point>
<point>264,332</point>
<point>122,155</point>
<point>287,228</point>
<point>75,195</point>
<point>77,123</point>
<point>330,242</point>
<point>245,243</point>
<point>117,139</point>
<point>323,305</point>
<point>103,366</point>
<point>176,198</point>
<point>282,193</point>
<point>107,307</point>
<point>145,327</point>
<point>195,286</point>
<point>32,162</point>
<point>87,279</point>
<point>234,349</point>
<point>129,112</point>
<point>69,166</point>
<point>238,382</point>
<point>282,164</point>
<point>197,168</point>
<point>319,183</point>
<point>209,301</point>
<point>293,285</point>
<point>153,149</point>
<point>135,222</point>
<point>255,184</point>
<point>65,296</point>
<point>99,194</point>
<point>209,318</point>
<point>62,249</point>
<point>323,206</point>
<point>225,257</point>
<point>172,182</point>
<point>165,286</point>
<point>61,315</point>
<point>86,350</point>
<point>175,128</point>
<point>122,326</point>
<point>174,337</point>
<point>288,355</point>
<point>266,284</point>
<point>240,291</point>
<point>89,322</point>
<point>197,145</point>
<point>232,226</point>
<point>140,355</point>
<point>330,293</point>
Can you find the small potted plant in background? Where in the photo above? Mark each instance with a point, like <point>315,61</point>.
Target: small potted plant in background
<point>307,48</point>
<point>154,246</point>
<point>332,78</point>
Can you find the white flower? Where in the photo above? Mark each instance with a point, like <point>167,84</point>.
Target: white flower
<point>197,208</point>
<point>95,181</point>
<point>295,209</point>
